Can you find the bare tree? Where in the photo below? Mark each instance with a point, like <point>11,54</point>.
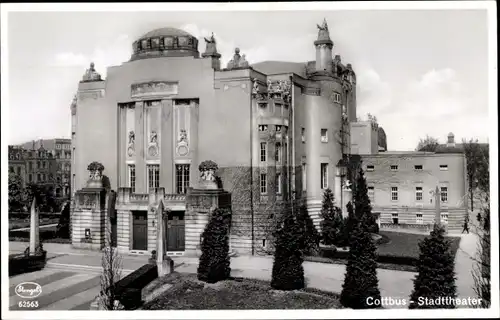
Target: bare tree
<point>429,144</point>
<point>477,157</point>
<point>111,263</point>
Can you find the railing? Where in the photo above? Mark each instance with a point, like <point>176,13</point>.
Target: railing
<point>139,197</point>
<point>175,197</point>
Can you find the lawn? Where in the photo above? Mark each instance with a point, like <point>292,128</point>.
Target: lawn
<point>18,223</point>
<point>406,244</point>
<point>187,293</point>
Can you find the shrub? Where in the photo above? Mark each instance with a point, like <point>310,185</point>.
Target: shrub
<point>288,273</point>
<point>332,223</point>
<point>363,208</point>
<point>214,264</point>
<point>436,274</point>
<point>360,281</point>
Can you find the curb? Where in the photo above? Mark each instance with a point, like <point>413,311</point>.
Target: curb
<point>77,267</point>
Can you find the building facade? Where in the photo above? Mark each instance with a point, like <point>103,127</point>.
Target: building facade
<point>277,131</point>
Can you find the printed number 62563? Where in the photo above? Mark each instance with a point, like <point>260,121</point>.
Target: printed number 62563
<point>28,304</point>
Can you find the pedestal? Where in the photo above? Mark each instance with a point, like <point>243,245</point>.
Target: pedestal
<point>89,224</point>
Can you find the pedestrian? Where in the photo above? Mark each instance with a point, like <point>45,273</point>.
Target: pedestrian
<point>466,226</point>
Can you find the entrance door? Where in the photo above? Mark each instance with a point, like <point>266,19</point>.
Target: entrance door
<point>140,230</point>
<point>114,230</point>
<point>175,231</point>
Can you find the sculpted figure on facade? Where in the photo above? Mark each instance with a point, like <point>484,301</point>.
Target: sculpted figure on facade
<point>238,61</point>
<point>91,74</point>
<point>153,144</point>
<point>131,143</point>
<point>255,88</point>
<point>183,136</point>
<point>207,171</point>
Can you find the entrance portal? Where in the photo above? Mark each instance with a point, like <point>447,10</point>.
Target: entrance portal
<point>140,230</point>
<point>175,231</point>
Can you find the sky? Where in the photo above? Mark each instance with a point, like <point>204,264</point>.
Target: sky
<point>420,72</point>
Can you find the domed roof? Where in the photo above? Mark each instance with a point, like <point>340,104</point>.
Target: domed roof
<point>165,42</point>
<point>166,32</point>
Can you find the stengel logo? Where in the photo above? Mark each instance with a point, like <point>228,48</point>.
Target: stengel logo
<point>28,290</point>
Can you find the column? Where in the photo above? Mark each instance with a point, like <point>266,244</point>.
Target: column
<point>140,139</point>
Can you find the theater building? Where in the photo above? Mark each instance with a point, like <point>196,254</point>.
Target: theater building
<point>276,130</point>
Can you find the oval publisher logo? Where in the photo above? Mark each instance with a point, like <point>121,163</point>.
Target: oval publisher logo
<point>28,290</point>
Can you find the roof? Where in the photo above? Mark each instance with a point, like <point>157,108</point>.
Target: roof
<point>163,32</point>
<point>458,148</point>
<point>277,67</point>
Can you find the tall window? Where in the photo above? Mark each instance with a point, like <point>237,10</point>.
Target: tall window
<point>30,166</point>
<point>19,170</point>
<point>182,177</point>
<point>38,164</point>
<point>304,177</point>
<point>278,152</point>
<point>131,177</point>
<point>285,151</point>
<point>394,193</point>
<point>324,175</point>
<point>38,177</point>
<point>263,151</point>
<point>278,129</point>
<point>444,217</point>
<point>153,176</point>
<point>371,193</point>
<point>263,183</point>
<point>419,194</point>
<point>303,134</point>
<point>336,97</point>
<point>30,177</point>
<point>278,183</point>
<point>395,218</point>
<point>324,135</point>
<point>444,194</point>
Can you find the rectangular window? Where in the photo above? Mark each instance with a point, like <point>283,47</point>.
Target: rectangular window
<point>394,168</point>
<point>336,97</point>
<point>370,167</point>
<point>371,193</point>
<point>19,170</point>
<point>324,135</point>
<point>324,175</point>
<point>263,151</point>
<point>394,193</point>
<point>420,218</point>
<point>278,129</point>
<point>30,177</point>
<point>419,167</point>
<point>278,183</point>
<point>444,217</point>
<point>262,127</point>
<point>131,177</point>
<point>303,134</point>
<point>419,194</point>
<point>285,152</point>
<point>443,167</point>
<point>30,166</point>
<point>38,164</point>
<point>182,178</point>
<point>153,176</point>
<point>263,183</point>
<point>395,218</point>
<point>44,177</point>
<point>38,177</point>
<point>444,194</point>
<point>278,153</point>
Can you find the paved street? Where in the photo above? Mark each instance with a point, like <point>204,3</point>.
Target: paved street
<point>71,279</point>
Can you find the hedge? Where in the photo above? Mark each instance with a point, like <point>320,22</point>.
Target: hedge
<point>45,234</point>
<point>21,263</point>
<point>332,253</point>
<point>128,290</point>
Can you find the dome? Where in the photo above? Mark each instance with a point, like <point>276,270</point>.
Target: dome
<point>165,42</point>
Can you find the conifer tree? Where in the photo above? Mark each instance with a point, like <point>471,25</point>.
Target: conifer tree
<point>214,264</point>
<point>311,236</point>
<point>363,208</point>
<point>360,282</point>
<point>332,223</point>
<point>436,274</point>
<point>288,273</point>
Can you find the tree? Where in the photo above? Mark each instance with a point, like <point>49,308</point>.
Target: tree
<point>111,262</point>
<point>436,272</point>
<point>481,271</point>
<point>360,282</point>
<point>428,144</point>
<point>15,192</point>
<point>332,223</point>
<point>311,236</point>
<point>288,272</point>
<point>214,264</point>
<point>363,208</point>
<point>477,158</point>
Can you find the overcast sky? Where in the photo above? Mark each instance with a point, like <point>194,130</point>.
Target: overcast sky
<point>419,72</point>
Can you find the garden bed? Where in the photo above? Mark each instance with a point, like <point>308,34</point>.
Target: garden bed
<point>21,263</point>
<point>188,293</point>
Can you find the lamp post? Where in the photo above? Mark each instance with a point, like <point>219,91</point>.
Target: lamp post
<point>339,182</point>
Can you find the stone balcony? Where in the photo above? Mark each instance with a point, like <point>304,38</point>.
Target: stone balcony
<point>127,200</point>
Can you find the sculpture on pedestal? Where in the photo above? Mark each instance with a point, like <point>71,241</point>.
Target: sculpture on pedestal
<point>207,174</point>
<point>238,61</point>
<point>95,175</point>
<point>91,74</point>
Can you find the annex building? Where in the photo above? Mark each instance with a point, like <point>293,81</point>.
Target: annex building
<point>279,133</point>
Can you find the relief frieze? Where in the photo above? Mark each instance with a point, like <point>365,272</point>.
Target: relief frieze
<point>154,88</point>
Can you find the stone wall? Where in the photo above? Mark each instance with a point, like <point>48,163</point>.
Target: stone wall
<point>89,213</point>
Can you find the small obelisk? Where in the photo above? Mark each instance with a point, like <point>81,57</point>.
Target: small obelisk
<point>34,228</point>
